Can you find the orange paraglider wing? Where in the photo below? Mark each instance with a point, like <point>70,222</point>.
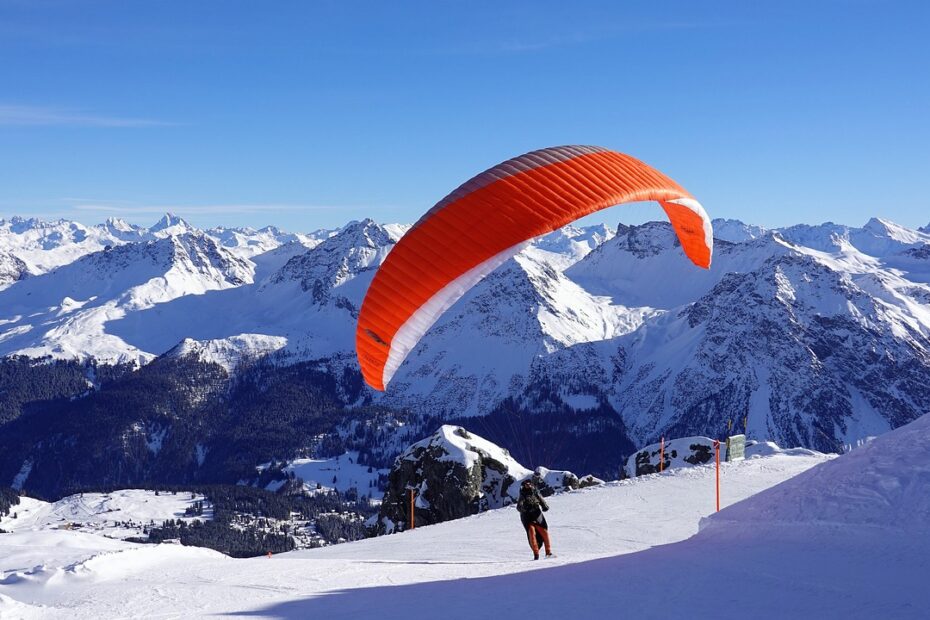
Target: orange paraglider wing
<point>490,218</point>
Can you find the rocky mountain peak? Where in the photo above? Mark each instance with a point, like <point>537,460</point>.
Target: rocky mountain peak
<point>12,268</point>
<point>575,242</point>
<point>170,224</point>
<point>735,231</point>
<point>228,352</point>
<point>201,253</point>
<point>115,223</point>
<point>358,248</point>
<point>645,240</point>
<point>18,224</point>
<point>362,233</point>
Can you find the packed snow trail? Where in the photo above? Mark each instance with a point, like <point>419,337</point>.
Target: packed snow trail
<point>125,580</point>
<point>847,539</point>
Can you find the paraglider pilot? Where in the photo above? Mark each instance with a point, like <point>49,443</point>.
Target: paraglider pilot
<point>531,507</point>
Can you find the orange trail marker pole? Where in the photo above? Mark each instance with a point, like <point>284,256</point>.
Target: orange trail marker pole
<point>661,454</point>
<point>717,450</point>
<point>412,515</point>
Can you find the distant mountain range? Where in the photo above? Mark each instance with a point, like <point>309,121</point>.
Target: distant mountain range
<point>817,336</point>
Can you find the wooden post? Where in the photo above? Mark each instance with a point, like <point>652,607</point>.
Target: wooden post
<point>661,454</point>
<point>413,518</point>
<point>717,450</point>
<point>746,425</point>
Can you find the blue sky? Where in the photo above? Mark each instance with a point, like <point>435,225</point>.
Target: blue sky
<point>309,114</point>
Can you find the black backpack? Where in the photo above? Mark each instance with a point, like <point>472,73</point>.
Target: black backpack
<point>530,502</point>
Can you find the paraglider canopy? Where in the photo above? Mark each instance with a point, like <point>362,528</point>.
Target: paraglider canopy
<point>490,218</point>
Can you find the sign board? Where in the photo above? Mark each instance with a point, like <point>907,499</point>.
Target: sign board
<point>736,448</point>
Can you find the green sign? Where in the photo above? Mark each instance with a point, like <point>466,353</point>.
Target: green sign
<point>736,448</point>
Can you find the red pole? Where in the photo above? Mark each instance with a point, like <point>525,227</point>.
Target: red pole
<point>412,515</point>
<point>717,450</point>
<point>661,454</point>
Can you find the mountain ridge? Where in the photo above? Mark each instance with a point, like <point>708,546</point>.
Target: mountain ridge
<point>814,336</point>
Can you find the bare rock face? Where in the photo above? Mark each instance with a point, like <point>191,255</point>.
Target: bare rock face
<point>454,474</point>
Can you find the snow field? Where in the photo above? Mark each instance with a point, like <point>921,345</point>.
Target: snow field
<point>120,514</point>
<point>345,468</point>
<point>347,580</point>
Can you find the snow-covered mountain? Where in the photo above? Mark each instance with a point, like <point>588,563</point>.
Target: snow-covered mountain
<point>817,348</point>
<point>735,231</point>
<point>819,334</point>
<point>44,245</point>
<point>67,312</point>
<point>248,242</point>
<point>12,269</point>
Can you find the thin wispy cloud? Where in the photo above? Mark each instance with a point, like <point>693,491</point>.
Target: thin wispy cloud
<point>524,45</point>
<point>215,209</point>
<point>43,116</point>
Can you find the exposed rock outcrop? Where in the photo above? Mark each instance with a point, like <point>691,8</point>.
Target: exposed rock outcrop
<point>453,474</point>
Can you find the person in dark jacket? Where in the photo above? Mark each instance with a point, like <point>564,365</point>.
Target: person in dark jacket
<point>531,507</point>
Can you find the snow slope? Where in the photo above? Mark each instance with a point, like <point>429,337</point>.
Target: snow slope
<point>837,538</point>
<point>119,514</point>
<point>345,469</point>
<point>67,311</point>
<point>355,579</point>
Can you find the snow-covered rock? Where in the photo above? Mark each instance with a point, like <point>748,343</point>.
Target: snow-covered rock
<point>170,225</point>
<point>680,452</point>
<point>454,473</point>
<point>123,230</point>
<point>12,269</point>
<point>229,352</point>
<point>548,481</point>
